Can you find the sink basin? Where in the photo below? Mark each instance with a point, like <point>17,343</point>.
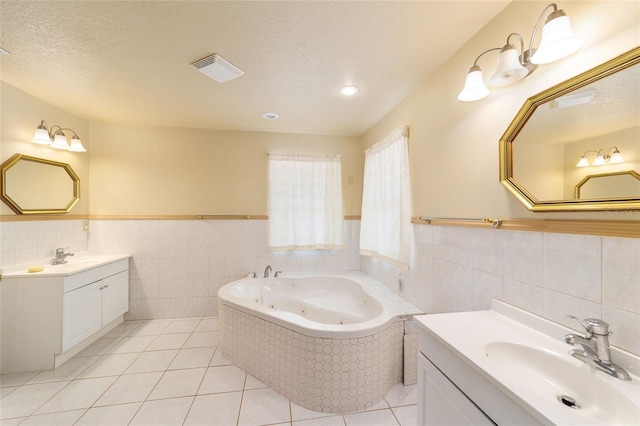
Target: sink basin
<point>77,264</point>
<point>550,375</point>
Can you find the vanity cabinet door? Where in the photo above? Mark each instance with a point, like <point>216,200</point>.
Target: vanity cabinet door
<point>441,403</point>
<point>115,296</point>
<point>81,314</point>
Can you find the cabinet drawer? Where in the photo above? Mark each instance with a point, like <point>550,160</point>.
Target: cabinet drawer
<point>89,276</point>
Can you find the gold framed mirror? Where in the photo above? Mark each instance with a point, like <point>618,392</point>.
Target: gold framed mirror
<point>32,185</point>
<point>594,113</point>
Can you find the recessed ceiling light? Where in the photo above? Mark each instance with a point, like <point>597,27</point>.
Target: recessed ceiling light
<point>349,90</point>
<point>270,116</point>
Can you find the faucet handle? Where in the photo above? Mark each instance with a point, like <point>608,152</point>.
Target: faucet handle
<point>593,325</point>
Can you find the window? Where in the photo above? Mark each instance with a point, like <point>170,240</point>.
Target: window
<point>305,202</point>
<point>385,228</point>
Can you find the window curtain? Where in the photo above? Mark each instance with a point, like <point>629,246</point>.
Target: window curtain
<point>305,202</point>
<point>385,228</point>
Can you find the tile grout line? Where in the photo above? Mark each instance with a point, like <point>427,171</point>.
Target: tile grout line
<point>201,380</point>
<point>118,377</point>
<point>123,373</point>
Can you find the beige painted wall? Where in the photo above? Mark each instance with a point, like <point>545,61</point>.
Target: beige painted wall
<point>454,145</point>
<point>21,114</point>
<point>169,171</point>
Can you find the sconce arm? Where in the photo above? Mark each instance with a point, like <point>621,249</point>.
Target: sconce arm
<point>71,130</point>
<point>475,63</point>
<point>52,133</point>
<point>535,28</point>
<point>521,46</point>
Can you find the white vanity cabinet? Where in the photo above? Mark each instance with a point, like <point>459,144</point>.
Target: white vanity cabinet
<point>86,310</point>
<point>441,402</point>
<point>49,316</point>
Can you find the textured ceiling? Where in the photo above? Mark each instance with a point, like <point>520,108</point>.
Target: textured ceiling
<point>129,61</point>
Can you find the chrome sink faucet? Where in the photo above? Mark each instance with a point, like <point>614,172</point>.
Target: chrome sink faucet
<point>61,256</point>
<point>267,270</point>
<point>596,352</point>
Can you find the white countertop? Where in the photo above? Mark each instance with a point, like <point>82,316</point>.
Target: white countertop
<point>534,347</point>
<point>74,265</point>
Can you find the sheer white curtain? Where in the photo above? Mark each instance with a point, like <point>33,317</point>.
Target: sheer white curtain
<point>385,228</point>
<point>305,202</point>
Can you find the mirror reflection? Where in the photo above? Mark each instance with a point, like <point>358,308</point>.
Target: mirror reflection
<point>616,185</point>
<point>587,126</point>
<point>34,185</point>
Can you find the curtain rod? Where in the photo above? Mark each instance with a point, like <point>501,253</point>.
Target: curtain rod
<point>495,223</point>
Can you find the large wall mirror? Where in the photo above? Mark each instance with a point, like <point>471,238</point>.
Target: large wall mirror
<point>33,185</point>
<point>596,113</point>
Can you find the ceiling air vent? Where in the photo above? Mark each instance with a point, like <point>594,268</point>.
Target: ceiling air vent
<point>217,68</point>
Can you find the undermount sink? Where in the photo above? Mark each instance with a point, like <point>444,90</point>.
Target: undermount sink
<point>553,376</point>
<point>515,365</point>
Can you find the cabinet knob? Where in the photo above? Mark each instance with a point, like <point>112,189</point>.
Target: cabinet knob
<point>100,288</point>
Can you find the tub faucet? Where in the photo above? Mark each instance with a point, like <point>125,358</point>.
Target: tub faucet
<point>61,256</point>
<point>595,350</point>
<point>267,270</point>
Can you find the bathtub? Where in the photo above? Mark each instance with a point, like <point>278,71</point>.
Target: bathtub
<point>328,342</point>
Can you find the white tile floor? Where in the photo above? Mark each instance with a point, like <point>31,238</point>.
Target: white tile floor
<point>168,372</point>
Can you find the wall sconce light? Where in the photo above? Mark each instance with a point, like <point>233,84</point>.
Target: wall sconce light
<point>56,138</point>
<point>602,157</point>
<point>557,42</point>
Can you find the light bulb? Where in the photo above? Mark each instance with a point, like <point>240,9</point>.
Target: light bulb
<point>510,70</point>
<point>60,141</point>
<point>558,40</point>
<point>584,162</point>
<point>41,136</point>
<point>76,145</point>
<point>474,88</point>
<point>599,160</point>
<point>616,157</point>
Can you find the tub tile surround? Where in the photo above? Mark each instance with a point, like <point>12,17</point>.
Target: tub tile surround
<point>178,266</point>
<point>185,385</point>
<point>328,375</point>
<point>548,274</point>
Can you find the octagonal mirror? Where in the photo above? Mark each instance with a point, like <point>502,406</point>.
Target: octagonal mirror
<point>33,185</point>
<point>595,114</point>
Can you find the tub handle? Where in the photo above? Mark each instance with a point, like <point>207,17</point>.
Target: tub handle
<point>252,275</point>
<point>277,273</point>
